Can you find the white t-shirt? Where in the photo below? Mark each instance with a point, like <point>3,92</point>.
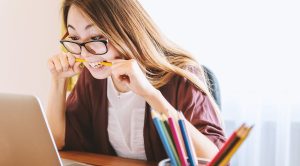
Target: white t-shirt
<point>126,114</point>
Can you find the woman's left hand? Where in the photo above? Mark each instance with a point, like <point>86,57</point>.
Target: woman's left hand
<point>129,73</point>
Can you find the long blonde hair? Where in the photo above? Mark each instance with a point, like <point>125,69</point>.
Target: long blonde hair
<point>134,35</point>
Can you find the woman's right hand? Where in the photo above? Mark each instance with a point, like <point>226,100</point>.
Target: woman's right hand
<point>63,65</point>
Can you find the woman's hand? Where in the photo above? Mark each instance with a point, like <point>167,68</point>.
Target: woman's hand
<point>128,72</point>
<point>63,65</point>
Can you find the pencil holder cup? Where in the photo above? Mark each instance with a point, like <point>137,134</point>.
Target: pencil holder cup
<point>166,162</point>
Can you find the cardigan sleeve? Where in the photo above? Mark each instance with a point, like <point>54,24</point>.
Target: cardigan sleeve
<point>78,134</point>
<point>198,109</point>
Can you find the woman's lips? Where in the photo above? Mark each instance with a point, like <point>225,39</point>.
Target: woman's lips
<point>95,65</point>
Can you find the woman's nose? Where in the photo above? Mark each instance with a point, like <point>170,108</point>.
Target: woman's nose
<point>85,53</point>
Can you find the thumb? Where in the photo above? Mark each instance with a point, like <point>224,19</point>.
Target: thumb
<point>78,67</point>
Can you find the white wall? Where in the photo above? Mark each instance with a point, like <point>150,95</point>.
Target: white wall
<point>252,46</point>
<point>29,31</point>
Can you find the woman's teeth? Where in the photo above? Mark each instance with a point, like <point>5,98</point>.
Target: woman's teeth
<point>95,65</point>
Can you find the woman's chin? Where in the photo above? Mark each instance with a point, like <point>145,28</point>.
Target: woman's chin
<point>99,73</point>
<point>99,76</point>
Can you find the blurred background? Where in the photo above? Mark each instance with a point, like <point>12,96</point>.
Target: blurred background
<point>30,33</point>
<point>253,48</point>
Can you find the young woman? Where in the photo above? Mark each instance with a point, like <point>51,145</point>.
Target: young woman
<point>108,111</point>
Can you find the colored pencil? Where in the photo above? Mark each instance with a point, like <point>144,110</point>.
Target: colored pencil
<point>168,134</point>
<point>243,136</point>
<point>165,120</point>
<point>224,148</point>
<point>178,143</point>
<point>231,145</point>
<point>187,141</point>
<point>163,138</point>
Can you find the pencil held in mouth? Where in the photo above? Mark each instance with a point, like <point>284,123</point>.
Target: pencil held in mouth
<point>101,63</point>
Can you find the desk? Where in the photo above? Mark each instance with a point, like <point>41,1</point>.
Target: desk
<point>99,159</point>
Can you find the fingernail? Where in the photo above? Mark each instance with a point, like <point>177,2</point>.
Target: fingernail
<point>81,65</point>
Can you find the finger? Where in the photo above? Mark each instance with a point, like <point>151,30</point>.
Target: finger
<point>117,61</point>
<point>77,68</point>
<point>121,75</point>
<point>125,79</point>
<point>57,64</point>
<point>124,63</point>
<point>118,69</point>
<point>51,65</point>
<point>71,59</point>
<point>64,62</point>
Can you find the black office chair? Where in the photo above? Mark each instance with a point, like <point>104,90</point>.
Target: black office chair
<point>213,85</point>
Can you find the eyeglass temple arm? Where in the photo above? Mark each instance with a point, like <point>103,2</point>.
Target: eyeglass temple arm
<point>65,35</point>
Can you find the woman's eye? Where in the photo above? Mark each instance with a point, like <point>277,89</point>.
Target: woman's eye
<point>73,38</point>
<point>96,38</point>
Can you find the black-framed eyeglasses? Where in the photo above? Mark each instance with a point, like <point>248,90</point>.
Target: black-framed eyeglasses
<point>96,47</point>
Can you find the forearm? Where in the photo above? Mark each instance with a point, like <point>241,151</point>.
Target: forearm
<point>56,110</point>
<point>203,146</point>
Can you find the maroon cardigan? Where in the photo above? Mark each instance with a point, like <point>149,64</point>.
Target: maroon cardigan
<point>87,116</point>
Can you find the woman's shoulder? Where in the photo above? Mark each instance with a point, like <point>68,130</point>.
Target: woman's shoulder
<point>181,87</point>
<point>180,80</point>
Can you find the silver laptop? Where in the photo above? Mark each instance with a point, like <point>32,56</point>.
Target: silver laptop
<point>25,137</point>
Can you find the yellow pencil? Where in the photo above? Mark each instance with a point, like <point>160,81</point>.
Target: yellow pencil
<point>244,135</point>
<point>102,63</point>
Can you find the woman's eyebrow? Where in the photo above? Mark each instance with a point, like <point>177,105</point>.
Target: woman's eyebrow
<point>87,27</point>
<point>70,26</point>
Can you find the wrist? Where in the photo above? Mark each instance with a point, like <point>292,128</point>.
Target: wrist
<point>159,103</point>
<point>59,84</point>
<point>155,94</point>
